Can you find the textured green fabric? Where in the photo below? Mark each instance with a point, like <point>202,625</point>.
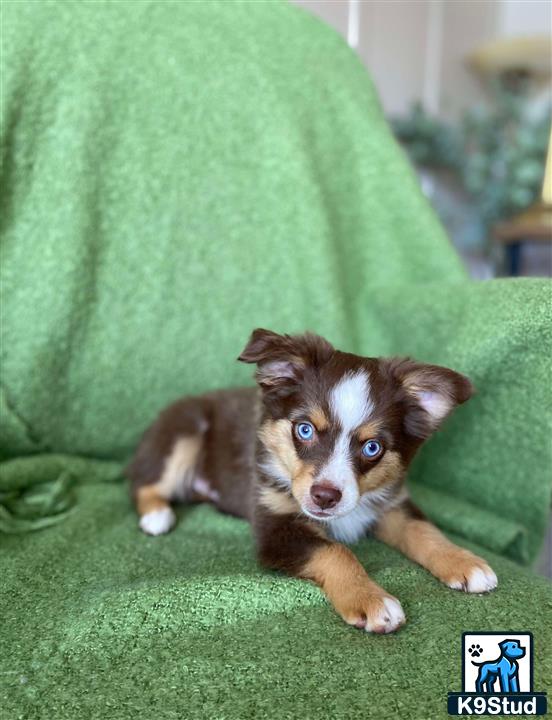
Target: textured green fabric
<point>103,622</point>
<point>175,174</point>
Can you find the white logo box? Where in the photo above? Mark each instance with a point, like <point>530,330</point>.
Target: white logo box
<point>490,650</point>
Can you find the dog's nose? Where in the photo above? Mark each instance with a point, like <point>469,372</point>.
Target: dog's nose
<point>325,496</point>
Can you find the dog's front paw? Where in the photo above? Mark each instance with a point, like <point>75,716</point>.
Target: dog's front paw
<point>469,573</point>
<point>377,613</point>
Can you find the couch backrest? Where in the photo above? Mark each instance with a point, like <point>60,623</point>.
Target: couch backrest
<point>174,175</point>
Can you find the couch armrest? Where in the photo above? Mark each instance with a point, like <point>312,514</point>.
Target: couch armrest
<point>495,452</point>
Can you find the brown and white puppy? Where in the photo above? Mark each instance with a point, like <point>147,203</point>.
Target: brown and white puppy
<point>317,458</point>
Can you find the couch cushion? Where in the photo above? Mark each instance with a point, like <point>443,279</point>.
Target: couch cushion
<point>102,621</point>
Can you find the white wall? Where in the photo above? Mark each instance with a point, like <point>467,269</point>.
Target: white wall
<point>416,49</point>
<point>392,43</point>
<point>525,17</point>
<point>333,12</point>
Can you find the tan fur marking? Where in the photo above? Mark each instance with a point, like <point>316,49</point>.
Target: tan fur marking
<point>177,476</point>
<point>176,479</point>
<point>318,417</point>
<point>148,499</point>
<point>277,502</point>
<point>348,587</point>
<point>388,471</point>
<point>298,361</point>
<point>422,542</point>
<point>302,481</point>
<point>276,437</point>
<point>318,529</point>
<point>369,430</point>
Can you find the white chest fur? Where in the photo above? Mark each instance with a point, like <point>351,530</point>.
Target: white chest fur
<point>354,525</point>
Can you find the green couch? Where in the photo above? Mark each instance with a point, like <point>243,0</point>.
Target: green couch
<point>175,174</point>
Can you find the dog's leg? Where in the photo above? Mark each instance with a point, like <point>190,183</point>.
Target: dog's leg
<point>478,686</point>
<point>479,682</point>
<point>491,683</point>
<point>514,687</point>
<point>406,529</point>
<point>482,681</point>
<point>504,667</point>
<point>289,543</point>
<point>164,467</point>
<point>154,510</point>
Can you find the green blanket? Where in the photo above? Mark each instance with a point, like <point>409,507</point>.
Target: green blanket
<point>175,174</point>
<point>186,626</point>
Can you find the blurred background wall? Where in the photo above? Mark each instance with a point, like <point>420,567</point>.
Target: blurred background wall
<point>417,49</point>
<point>466,85</point>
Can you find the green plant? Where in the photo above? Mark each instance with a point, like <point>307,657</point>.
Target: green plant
<point>497,153</point>
<point>430,142</point>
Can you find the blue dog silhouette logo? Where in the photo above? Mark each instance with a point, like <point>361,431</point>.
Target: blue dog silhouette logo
<point>497,676</point>
<point>505,668</point>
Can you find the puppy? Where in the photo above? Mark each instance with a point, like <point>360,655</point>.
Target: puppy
<point>315,457</point>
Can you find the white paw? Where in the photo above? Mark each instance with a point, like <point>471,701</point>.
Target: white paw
<point>389,618</point>
<point>481,580</point>
<point>157,522</point>
<point>478,580</point>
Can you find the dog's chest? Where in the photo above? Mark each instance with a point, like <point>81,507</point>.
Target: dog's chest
<point>353,526</point>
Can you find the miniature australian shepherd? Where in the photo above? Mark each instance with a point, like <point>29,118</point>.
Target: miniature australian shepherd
<point>314,458</point>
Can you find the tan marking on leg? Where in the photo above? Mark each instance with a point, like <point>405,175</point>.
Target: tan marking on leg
<point>156,515</point>
<point>369,430</point>
<point>152,501</point>
<point>357,598</point>
<point>178,473</point>
<point>277,501</point>
<point>425,544</point>
<point>389,470</point>
<point>148,499</point>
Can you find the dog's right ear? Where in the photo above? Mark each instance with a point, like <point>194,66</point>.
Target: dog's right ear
<point>282,359</point>
<point>432,393</point>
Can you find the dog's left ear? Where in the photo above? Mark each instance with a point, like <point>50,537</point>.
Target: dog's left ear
<point>431,392</point>
<point>282,359</point>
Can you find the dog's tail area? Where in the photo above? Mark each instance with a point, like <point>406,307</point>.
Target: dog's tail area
<point>484,662</point>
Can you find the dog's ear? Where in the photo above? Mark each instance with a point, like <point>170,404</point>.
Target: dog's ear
<point>282,359</point>
<point>430,392</point>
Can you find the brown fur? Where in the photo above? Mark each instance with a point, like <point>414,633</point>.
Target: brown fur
<point>286,542</point>
<point>226,460</point>
<point>242,447</point>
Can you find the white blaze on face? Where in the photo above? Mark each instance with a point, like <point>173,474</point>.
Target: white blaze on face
<point>350,401</point>
<point>351,406</point>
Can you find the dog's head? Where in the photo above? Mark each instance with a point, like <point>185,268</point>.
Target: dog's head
<point>339,428</point>
<point>512,649</point>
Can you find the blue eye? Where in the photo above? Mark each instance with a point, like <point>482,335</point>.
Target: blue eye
<point>371,449</point>
<point>304,431</point>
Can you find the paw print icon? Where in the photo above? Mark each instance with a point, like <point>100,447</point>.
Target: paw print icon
<point>475,650</point>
